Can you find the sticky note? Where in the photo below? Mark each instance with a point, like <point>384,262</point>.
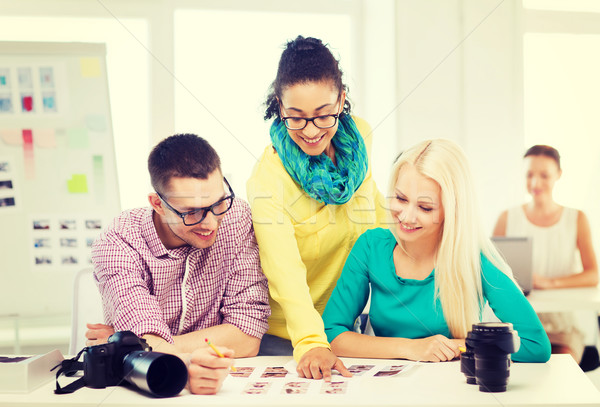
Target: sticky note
<point>12,137</point>
<point>28,160</point>
<point>78,138</point>
<point>95,122</point>
<point>77,184</point>
<point>99,184</point>
<point>2,80</point>
<point>90,67</point>
<point>45,138</point>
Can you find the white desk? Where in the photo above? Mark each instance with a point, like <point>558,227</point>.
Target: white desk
<point>565,299</point>
<point>559,382</point>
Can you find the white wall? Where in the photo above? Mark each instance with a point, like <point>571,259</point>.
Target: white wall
<point>459,77</point>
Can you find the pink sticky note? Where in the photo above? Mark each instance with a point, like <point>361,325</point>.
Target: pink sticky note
<point>28,154</point>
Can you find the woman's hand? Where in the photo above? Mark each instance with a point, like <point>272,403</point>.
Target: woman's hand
<point>318,362</point>
<point>541,282</point>
<point>435,348</point>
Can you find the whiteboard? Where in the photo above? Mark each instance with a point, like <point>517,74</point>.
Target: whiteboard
<point>58,180</point>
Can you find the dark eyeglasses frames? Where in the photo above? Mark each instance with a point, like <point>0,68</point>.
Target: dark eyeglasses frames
<point>195,216</point>
<point>298,123</point>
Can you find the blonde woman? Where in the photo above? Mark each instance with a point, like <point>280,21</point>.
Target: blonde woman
<point>431,273</point>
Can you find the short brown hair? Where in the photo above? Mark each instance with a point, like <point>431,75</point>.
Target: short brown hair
<point>181,155</point>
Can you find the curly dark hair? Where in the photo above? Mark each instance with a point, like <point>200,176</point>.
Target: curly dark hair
<point>181,155</point>
<point>304,60</point>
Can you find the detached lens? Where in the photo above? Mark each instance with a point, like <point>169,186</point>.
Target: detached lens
<point>160,374</point>
<point>487,360</point>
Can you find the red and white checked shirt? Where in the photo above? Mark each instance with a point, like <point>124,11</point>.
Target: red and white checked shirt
<point>148,289</point>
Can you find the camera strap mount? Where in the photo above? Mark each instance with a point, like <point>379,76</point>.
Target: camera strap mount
<point>69,368</point>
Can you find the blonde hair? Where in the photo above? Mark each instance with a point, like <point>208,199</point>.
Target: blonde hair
<point>458,262</point>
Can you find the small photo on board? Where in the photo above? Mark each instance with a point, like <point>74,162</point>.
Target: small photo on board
<point>389,371</point>
<point>41,224</point>
<point>68,242</point>
<point>93,224</point>
<point>49,102</point>
<point>27,102</point>
<point>67,224</point>
<point>4,166</point>
<point>295,388</point>
<point>47,77</point>
<point>6,105</point>
<point>256,388</point>
<point>10,201</point>
<point>6,184</point>
<point>68,260</point>
<point>242,371</point>
<point>89,241</point>
<point>25,78</point>
<point>4,78</point>
<point>44,243</point>
<point>43,260</point>
<point>277,371</point>
<point>334,387</point>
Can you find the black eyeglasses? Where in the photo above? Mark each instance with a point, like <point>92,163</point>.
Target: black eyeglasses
<point>195,216</point>
<point>298,123</point>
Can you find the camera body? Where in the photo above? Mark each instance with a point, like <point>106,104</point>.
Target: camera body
<point>103,364</point>
<point>126,358</point>
<point>486,361</point>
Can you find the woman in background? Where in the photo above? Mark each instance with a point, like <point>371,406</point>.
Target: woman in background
<point>311,195</point>
<point>558,233</point>
<point>430,274</point>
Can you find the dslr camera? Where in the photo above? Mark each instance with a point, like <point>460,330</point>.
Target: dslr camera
<point>487,359</point>
<point>126,357</point>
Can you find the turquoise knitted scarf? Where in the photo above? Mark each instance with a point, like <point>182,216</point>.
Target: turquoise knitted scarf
<point>317,175</point>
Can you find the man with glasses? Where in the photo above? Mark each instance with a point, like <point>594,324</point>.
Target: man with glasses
<point>187,268</point>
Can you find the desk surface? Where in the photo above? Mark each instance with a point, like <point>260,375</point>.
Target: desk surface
<point>559,382</point>
<point>565,299</point>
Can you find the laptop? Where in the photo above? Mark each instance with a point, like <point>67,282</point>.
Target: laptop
<point>518,253</point>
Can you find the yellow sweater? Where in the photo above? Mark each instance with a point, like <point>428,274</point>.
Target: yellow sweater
<point>304,244</point>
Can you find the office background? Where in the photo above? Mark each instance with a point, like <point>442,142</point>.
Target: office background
<point>497,76</point>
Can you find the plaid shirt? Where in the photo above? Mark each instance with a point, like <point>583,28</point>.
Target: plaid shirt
<point>148,289</point>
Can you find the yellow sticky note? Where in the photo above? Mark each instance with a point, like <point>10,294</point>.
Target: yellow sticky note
<point>77,184</point>
<point>90,67</point>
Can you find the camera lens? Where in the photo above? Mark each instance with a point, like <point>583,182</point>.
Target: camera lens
<point>491,344</point>
<point>160,374</point>
<point>467,366</point>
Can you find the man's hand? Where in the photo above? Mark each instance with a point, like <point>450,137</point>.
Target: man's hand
<point>318,362</point>
<point>207,371</point>
<point>98,334</point>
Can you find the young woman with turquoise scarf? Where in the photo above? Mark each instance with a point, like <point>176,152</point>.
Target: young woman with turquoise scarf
<point>312,195</point>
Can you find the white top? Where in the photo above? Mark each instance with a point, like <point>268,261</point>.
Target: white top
<point>555,252</point>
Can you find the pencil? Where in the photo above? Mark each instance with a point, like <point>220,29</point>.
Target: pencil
<point>462,349</point>
<point>219,354</point>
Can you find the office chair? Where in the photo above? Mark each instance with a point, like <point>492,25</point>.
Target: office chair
<point>87,308</point>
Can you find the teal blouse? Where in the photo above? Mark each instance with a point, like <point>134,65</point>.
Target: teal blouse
<point>406,308</point>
